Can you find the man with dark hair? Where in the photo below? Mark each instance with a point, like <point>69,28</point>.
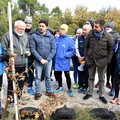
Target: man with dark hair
<point>98,53</point>
<point>43,48</point>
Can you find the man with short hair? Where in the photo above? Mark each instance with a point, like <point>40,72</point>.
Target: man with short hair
<point>21,48</point>
<point>98,53</point>
<point>82,75</point>
<point>43,48</point>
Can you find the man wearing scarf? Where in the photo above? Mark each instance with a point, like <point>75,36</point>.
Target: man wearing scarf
<point>98,52</point>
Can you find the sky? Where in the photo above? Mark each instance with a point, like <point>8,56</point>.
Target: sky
<point>90,4</point>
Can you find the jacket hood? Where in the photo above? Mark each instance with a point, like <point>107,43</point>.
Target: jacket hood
<point>110,24</point>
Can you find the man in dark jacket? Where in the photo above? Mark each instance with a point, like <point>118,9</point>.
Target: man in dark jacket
<point>43,48</point>
<point>29,61</point>
<point>98,53</point>
<point>21,48</point>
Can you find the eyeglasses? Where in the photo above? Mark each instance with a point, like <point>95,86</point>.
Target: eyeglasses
<point>19,28</point>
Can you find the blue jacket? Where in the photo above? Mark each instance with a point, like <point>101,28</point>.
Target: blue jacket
<point>65,49</point>
<point>42,46</point>
<point>3,57</point>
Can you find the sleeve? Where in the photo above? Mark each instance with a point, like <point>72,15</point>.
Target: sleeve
<point>53,49</point>
<point>76,47</point>
<point>33,50</point>
<point>71,52</point>
<point>110,48</point>
<point>5,41</point>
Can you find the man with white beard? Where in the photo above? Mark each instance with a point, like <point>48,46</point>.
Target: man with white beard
<point>21,48</point>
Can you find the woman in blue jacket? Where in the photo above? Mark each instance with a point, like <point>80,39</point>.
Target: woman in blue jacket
<point>65,49</point>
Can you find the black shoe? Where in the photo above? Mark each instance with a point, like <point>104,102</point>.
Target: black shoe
<point>87,97</point>
<point>103,100</point>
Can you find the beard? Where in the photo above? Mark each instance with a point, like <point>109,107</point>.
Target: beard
<point>19,34</point>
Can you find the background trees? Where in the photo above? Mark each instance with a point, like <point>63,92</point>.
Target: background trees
<point>56,17</point>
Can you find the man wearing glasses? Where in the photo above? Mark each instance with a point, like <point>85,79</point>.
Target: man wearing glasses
<point>21,48</point>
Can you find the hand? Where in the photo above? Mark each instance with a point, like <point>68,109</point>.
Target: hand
<point>80,59</point>
<point>43,61</point>
<point>27,53</point>
<point>13,55</point>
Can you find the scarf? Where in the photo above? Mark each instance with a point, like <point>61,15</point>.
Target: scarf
<point>99,35</point>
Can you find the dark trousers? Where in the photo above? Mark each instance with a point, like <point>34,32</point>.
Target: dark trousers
<point>58,77</point>
<point>20,83</point>
<point>30,76</point>
<point>83,78</point>
<point>117,83</point>
<point>111,70</point>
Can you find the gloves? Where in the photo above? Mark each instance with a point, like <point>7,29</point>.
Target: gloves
<point>5,57</point>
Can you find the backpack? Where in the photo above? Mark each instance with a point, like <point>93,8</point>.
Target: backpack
<point>103,114</point>
<point>1,63</point>
<point>63,113</point>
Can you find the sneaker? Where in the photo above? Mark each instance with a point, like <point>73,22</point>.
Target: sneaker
<point>87,97</point>
<point>112,92</point>
<point>49,94</point>
<point>108,85</point>
<point>58,90</point>
<point>75,86</point>
<point>30,90</point>
<point>70,93</point>
<point>103,100</point>
<point>97,85</point>
<point>114,100</point>
<point>37,96</point>
<point>80,90</point>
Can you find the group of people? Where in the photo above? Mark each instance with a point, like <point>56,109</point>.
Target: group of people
<point>42,50</point>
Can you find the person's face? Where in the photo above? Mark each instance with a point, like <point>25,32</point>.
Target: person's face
<point>97,27</point>
<point>78,34</point>
<point>62,32</point>
<point>56,35</point>
<point>28,25</point>
<point>108,29</point>
<point>85,30</point>
<point>42,27</point>
<point>20,30</point>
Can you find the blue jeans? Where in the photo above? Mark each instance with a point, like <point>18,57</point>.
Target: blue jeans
<point>38,72</point>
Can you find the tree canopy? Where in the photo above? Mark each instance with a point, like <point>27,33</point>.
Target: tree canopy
<point>56,17</point>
